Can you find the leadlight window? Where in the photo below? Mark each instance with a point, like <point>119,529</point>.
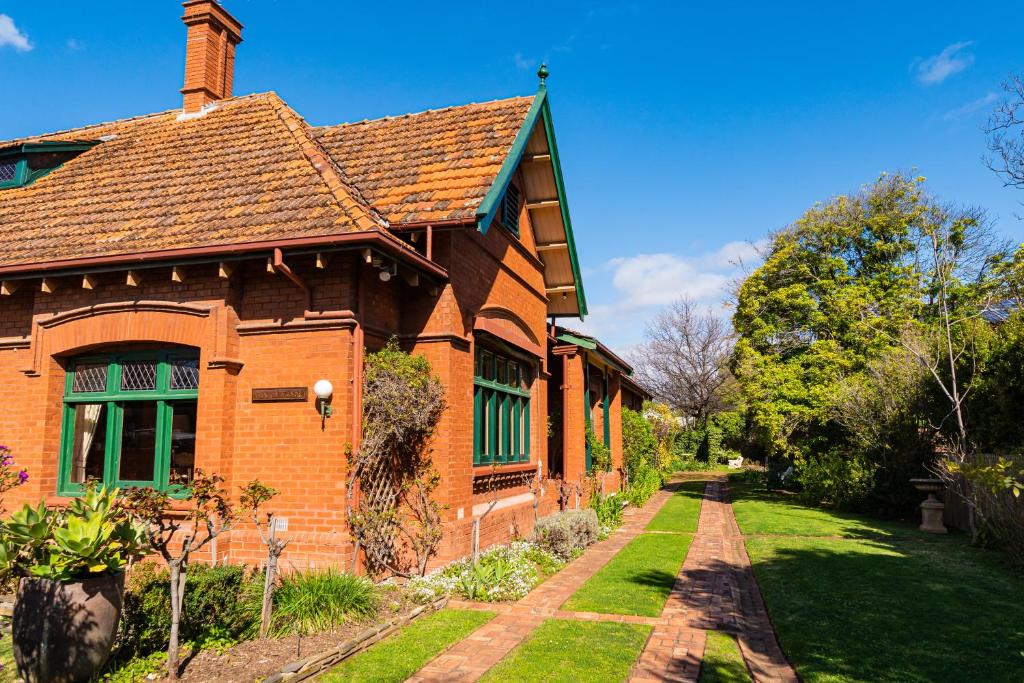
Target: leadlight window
<point>130,420</point>
<point>8,171</point>
<point>501,409</point>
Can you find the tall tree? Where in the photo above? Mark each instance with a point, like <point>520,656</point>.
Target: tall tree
<point>684,360</point>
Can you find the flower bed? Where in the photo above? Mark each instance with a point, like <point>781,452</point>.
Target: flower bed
<point>502,574</point>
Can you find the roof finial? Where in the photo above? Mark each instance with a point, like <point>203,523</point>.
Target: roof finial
<point>542,74</point>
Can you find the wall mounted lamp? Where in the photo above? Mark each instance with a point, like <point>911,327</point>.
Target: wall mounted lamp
<point>324,390</point>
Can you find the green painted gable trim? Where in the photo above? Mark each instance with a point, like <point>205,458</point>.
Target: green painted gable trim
<point>489,206</point>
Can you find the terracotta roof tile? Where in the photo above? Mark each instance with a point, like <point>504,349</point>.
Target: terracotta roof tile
<point>245,171</point>
<point>251,170</point>
<point>432,166</point>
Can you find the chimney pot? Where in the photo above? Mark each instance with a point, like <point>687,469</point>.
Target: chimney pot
<point>209,53</point>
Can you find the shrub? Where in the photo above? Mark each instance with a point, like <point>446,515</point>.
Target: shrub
<point>639,445</point>
<point>644,484</point>
<point>320,599</point>
<point>834,478</point>
<point>608,510</point>
<point>220,602</point>
<point>566,533</point>
<point>502,573</point>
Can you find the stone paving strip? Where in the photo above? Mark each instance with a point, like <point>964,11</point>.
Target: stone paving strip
<point>715,590</point>
<point>471,658</point>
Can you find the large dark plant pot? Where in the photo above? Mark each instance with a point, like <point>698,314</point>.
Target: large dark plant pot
<point>63,632</point>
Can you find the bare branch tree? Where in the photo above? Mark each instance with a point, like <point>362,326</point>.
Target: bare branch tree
<point>1005,130</point>
<point>683,361</point>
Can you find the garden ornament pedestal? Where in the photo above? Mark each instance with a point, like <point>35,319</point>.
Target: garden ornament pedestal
<point>932,507</point>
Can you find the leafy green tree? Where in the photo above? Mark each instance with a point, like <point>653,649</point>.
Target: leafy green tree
<point>836,288</point>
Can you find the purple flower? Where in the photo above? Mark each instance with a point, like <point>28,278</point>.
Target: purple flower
<point>22,476</point>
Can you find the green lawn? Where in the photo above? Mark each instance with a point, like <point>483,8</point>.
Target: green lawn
<point>401,655</point>
<point>637,580</point>
<point>723,662</point>
<point>562,650</point>
<point>761,512</point>
<point>8,672</point>
<point>681,511</point>
<point>883,602</point>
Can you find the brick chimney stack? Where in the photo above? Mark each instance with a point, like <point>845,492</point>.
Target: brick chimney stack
<point>209,53</point>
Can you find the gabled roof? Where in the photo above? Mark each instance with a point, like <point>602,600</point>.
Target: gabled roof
<point>250,171</point>
<point>246,171</point>
<point>434,166</point>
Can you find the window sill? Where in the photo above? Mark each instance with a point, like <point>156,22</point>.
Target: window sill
<point>486,470</point>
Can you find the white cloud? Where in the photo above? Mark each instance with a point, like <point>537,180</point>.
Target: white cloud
<point>968,110</point>
<point>644,283</point>
<point>11,35</point>
<point>938,68</point>
<point>73,44</point>
<point>524,63</point>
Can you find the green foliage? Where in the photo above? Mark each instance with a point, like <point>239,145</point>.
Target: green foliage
<point>835,478</point>
<point>607,508</point>
<point>600,454</point>
<point>639,445</point>
<point>994,408</point>
<point>221,603</point>
<point>136,669</point>
<point>91,536</point>
<point>564,534</point>
<point>642,485</point>
<point>321,599</point>
<point>502,573</point>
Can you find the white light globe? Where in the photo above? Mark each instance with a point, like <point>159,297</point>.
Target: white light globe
<point>323,389</point>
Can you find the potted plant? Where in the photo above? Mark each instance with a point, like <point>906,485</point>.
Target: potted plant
<point>71,562</point>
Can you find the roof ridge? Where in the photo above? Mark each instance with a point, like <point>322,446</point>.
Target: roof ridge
<point>127,119</point>
<point>420,113</point>
<point>348,196</point>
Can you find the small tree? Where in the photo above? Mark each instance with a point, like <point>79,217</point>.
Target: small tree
<point>255,494</point>
<point>176,537</point>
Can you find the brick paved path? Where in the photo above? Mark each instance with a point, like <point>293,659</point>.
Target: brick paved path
<point>715,590</point>
<point>469,659</point>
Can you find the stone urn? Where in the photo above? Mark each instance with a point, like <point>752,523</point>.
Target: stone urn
<point>932,507</point>
<point>62,632</point>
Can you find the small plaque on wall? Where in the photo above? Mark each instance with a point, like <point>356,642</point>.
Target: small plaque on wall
<point>280,395</point>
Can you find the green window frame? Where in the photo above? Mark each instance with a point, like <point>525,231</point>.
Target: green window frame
<point>20,172</point>
<point>501,409</point>
<point>118,396</point>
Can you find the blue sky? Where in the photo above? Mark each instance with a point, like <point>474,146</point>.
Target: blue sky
<point>685,131</point>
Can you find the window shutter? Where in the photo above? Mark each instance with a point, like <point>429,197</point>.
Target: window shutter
<point>510,209</point>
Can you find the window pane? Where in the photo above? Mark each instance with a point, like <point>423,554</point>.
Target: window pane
<point>7,170</point>
<point>502,371</point>
<point>90,377</point>
<point>88,442</point>
<point>185,373</point>
<point>138,375</point>
<point>138,441</point>
<point>488,366</point>
<point>183,441</point>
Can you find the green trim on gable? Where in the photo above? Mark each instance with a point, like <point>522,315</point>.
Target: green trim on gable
<point>492,200</point>
<point>556,166</point>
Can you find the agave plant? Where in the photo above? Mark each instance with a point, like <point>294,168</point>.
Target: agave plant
<point>90,537</point>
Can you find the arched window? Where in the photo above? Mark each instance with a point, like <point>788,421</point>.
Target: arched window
<point>130,420</point>
<point>501,409</point>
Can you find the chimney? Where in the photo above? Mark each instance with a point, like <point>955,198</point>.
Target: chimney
<point>209,53</point>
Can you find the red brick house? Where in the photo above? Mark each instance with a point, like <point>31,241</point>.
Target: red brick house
<point>173,285</point>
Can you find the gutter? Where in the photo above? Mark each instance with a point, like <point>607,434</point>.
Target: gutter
<point>377,238</point>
